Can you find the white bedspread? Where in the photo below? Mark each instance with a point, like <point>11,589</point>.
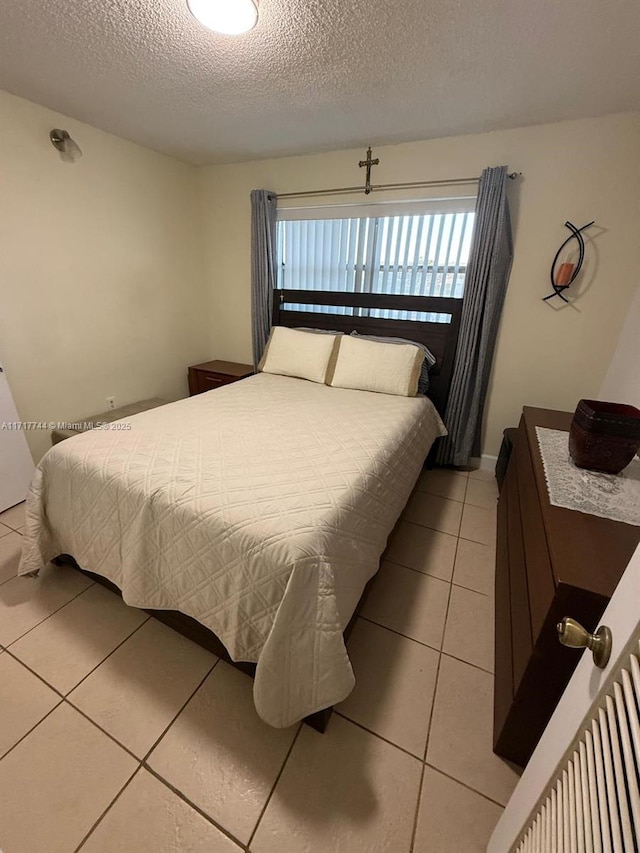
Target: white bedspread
<point>260,509</point>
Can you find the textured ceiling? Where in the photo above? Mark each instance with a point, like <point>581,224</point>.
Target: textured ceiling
<point>320,74</point>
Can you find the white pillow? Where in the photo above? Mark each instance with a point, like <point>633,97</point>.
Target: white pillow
<point>302,354</point>
<point>372,366</point>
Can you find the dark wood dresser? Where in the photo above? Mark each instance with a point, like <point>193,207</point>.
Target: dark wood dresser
<point>214,374</point>
<point>550,563</point>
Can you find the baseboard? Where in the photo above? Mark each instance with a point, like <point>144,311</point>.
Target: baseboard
<point>486,462</point>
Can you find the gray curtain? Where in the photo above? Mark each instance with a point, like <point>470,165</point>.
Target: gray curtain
<point>263,267</point>
<point>484,291</point>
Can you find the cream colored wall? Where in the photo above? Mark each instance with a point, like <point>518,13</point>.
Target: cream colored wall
<point>101,285</point>
<point>547,355</point>
<point>622,382</point>
<point>102,291</point>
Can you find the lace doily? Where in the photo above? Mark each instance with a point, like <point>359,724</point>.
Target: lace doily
<point>610,496</point>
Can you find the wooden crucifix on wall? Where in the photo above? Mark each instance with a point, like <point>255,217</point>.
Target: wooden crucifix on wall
<point>369,162</point>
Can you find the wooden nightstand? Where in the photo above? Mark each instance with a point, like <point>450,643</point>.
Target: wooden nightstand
<point>214,374</point>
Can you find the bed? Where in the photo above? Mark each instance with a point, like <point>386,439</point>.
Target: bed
<point>258,512</point>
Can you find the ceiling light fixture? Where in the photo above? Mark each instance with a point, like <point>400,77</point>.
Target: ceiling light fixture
<point>68,147</point>
<point>229,17</point>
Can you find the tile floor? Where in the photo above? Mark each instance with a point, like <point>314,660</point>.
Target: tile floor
<point>117,734</point>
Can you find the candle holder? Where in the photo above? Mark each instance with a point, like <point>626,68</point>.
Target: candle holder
<point>567,272</point>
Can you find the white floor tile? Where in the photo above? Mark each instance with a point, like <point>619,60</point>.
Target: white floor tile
<point>434,512</point>
<point>461,735</point>
<point>221,755</point>
<point>428,551</point>
<point>469,631</point>
<point>57,782</point>
<point>68,645</point>
<point>14,517</point>
<point>138,690</point>
<point>482,493</point>
<point>25,601</point>
<point>148,816</point>
<point>408,602</point>
<point>479,525</point>
<point>345,791</point>
<point>486,474</point>
<point>475,566</point>
<point>452,819</point>
<point>444,483</point>
<point>395,683</point>
<point>10,553</point>
<point>24,701</point>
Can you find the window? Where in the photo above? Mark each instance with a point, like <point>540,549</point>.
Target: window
<point>413,252</point>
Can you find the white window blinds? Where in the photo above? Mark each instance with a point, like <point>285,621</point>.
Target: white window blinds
<point>414,254</point>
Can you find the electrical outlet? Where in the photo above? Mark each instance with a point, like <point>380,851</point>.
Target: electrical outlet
<point>111,403</point>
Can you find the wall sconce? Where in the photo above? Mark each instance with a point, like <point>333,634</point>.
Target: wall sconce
<point>567,271</point>
<point>68,148</point>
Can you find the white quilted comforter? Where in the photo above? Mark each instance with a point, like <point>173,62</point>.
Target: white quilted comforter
<point>260,509</point>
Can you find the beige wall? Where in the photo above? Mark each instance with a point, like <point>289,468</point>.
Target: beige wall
<point>622,381</point>
<point>100,270</point>
<point>578,170</point>
<point>103,291</point>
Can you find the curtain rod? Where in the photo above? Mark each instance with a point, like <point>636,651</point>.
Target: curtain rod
<point>377,187</point>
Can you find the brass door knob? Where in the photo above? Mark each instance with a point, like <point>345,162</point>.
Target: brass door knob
<point>572,634</point>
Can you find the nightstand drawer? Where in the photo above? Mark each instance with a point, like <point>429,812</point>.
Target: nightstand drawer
<point>209,381</point>
<point>215,374</point>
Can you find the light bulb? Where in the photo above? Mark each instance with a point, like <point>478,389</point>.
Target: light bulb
<point>230,17</point>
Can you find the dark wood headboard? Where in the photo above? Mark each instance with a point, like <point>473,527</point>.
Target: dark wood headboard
<point>440,338</point>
